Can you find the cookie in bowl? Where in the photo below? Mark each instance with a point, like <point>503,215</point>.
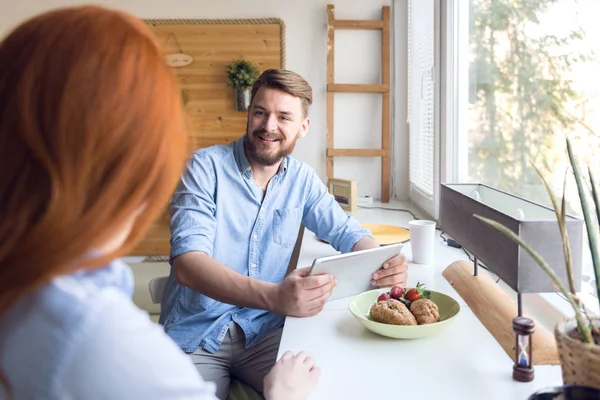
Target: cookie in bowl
<point>392,312</point>
<point>425,311</point>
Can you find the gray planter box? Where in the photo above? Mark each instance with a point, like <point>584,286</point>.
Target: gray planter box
<point>534,223</point>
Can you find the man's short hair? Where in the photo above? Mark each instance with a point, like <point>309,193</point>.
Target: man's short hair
<point>287,81</point>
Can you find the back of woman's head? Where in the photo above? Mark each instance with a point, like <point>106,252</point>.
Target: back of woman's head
<point>91,132</point>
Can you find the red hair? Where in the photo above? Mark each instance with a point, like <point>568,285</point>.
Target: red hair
<point>91,132</point>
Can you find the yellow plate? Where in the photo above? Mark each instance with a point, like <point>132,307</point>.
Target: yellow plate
<point>387,234</point>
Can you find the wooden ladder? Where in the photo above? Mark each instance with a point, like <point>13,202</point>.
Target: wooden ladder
<point>384,88</point>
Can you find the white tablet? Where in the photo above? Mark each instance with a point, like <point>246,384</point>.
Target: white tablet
<point>354,270</point>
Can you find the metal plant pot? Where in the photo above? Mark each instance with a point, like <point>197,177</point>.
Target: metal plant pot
<point>242,99</point>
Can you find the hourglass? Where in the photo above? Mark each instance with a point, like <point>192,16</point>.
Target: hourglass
<point>523,367</point>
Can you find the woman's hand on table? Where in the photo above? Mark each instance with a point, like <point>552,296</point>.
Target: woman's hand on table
<point>292,378</point>
<point>393,272</point>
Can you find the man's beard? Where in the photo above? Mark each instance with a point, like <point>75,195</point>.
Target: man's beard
<point>262,154</point>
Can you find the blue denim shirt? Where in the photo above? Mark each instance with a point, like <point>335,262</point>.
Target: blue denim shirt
<point>218,209</point>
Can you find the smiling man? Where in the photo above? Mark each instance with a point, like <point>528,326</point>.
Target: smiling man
<point>236,214</point>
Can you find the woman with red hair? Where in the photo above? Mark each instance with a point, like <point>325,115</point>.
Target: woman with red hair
<point>92,143</point>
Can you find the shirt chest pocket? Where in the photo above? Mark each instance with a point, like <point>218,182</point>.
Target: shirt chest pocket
<point>286,223</point>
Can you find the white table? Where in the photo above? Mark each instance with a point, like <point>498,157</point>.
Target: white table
<point>464,362</point>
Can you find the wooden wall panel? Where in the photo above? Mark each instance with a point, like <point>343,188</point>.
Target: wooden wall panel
<point>210,106</point>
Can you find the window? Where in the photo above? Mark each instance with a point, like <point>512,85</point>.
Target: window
<point>522,76</point>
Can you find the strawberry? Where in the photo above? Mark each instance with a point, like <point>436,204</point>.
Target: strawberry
<point>396,292</point>
<point>383,297</point>
<point>417,293</point>
<point>412,295</point>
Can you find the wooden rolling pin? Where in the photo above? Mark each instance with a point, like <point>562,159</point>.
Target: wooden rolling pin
<point>496,310</point>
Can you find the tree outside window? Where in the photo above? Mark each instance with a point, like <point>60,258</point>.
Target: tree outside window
<point>533,79</point>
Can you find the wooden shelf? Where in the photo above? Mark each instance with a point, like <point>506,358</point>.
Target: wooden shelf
<point>357,24</point>
<point>357,153</point>
<point>357,88</point>
<point>383,89</point>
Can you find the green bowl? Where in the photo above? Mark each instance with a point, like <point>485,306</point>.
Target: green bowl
<point>361,304</point>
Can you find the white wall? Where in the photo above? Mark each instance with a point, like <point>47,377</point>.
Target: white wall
<point>357,56</point>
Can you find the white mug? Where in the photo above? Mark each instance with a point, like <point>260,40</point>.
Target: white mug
<point>422,238</point>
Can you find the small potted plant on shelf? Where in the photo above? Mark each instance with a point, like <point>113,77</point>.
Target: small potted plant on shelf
<point>578,339</point>
<point>241,74</point>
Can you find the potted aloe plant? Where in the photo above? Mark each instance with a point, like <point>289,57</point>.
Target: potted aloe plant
<point>578,339</point>
<point>241,74</point>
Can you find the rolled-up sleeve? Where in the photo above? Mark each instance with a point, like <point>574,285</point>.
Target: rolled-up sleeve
<point>324,216</point>
<point>193,223</point>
